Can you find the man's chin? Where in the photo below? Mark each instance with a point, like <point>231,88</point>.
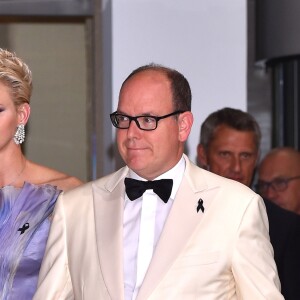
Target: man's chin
<point>137,166</point>
<point>238,179</point>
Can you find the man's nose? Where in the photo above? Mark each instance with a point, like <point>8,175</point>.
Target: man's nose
<point>133,129</point>
<point>269,193</point>
<point>236,164</point>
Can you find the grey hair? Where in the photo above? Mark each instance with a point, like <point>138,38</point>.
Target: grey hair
<point>234,118</point>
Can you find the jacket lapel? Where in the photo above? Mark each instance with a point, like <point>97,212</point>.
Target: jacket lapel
<point>180,225</point>
<point>109,206</point>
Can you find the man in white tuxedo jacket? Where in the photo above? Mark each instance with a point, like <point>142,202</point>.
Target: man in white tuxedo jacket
<point>161,227</point>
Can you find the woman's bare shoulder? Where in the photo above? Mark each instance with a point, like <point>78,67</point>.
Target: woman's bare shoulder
<point>66,182</point>
<point>40,174</point>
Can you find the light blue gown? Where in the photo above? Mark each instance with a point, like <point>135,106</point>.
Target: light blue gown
<point>24,227</point>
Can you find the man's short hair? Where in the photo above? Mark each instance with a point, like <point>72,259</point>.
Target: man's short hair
<point>231,117</point>
<point>180,88</point>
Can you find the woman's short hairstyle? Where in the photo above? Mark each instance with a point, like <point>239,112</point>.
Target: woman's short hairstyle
<point>16,75</point>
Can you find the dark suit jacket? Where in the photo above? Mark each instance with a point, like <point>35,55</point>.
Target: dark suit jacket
<point>285,238</point>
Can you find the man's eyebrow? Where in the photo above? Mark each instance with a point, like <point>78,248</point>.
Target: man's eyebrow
<point>147,114</point>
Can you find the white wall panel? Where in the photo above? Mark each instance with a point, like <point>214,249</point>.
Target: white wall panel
<point>204,39</point>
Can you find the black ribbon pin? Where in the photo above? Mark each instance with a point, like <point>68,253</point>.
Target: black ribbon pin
<point>200,205</point>
<point>23,228</point>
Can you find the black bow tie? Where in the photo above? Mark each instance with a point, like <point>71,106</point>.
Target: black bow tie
<point>136,188</point>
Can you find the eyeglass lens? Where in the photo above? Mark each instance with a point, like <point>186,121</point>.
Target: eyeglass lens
<point>143,122</point>
<point>278,184</point>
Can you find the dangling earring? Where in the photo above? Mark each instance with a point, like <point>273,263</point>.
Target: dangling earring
<point>19,137</point>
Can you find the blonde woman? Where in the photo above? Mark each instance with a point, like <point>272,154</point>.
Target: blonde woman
<point>28,190</point>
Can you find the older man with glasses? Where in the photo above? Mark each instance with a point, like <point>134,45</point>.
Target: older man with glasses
<point>160,227</point>
<point>279,178</point>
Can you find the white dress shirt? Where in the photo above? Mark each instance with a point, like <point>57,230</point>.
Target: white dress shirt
<point>144,219</point>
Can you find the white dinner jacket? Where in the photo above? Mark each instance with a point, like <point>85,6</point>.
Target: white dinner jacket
<point>222,252</point>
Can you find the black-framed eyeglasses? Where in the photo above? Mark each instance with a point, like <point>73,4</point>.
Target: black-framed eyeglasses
<point>277,184</point>
<point>143,122</point>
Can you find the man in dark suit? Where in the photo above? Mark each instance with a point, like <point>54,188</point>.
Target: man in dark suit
<point>285,238</point>
<point>279,178</point>
<point>229,146</point>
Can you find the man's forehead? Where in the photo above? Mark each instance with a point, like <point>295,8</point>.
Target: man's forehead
<point>225,134</point>
<point>280,166</point>
<point>227,128</point>
<point>148,76</point>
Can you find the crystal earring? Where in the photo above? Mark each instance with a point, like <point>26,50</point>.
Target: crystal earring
<point>19,137</point>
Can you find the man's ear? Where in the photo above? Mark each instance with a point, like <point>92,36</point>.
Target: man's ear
<point>201,156</point>
<point>23,113</point>
<point>185,122</point>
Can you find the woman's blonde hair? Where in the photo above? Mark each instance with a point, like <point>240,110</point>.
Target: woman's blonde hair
<point>16,75</point>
